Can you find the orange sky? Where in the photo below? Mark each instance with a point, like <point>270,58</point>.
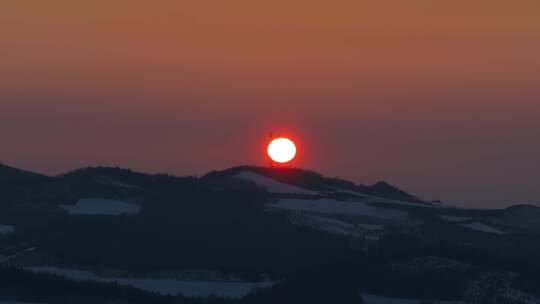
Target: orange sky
<point>439,97</point>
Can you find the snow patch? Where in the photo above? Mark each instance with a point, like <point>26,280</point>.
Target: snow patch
<point>404,203</point>
<point>6,229</point>
<point>98,206</point>
<point>330,206</point>
<point>324,224</point>
<point>353,193</point>
<point>224,289</point>
<point>329,224</point>
<point>483,227</point>
<point>112,182</point>
<point>272,185</point>
<point>376,199</point>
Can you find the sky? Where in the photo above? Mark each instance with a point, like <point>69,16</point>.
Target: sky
<point>441,98</point>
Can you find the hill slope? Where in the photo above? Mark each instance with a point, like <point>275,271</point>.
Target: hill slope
<point>12,175</point>
<point>302,237</point>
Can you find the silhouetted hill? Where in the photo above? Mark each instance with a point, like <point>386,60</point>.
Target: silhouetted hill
<point>299,177</point>
<point>314,181</point>
<point>384,189</point>
<point>13,175</point>
<point>115,176</point>
<point>307,238</point>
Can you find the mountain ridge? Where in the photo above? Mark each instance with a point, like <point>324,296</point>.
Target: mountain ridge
<point>12,174</point>
<point>285,229</point>
<point>310,180</point>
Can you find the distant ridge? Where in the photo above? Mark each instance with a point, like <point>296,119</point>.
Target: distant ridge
<point>91,179</point>
<point>11,174</point>
<point>387,190</point>
<point>316,182</point>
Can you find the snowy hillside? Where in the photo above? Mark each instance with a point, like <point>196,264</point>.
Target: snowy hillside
<point>250,235</point>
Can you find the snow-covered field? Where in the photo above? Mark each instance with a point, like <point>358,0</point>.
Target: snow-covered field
<point>331,206</point>
<point>272,185</point>
<point>483,227</point>
<point>324,224</point>
<point>351,192</point>
<point>225,289</point>
<point>98,206</point>
<point>112,182</point>
<point>375,199</point>
<point>337,226</point>
<point>405,203</point>
<point>6,229</point>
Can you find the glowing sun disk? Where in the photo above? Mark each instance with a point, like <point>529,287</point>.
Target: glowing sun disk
<point>282,150</point>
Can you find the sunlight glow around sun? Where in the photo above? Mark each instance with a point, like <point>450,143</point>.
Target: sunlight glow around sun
<point>282,150</point>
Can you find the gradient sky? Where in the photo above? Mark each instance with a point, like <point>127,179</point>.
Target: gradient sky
<point>439,97</point>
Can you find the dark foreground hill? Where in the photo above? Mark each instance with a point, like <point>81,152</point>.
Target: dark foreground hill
<point>254,235</point>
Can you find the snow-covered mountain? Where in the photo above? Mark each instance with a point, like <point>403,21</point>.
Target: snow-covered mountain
<point>258,235</point>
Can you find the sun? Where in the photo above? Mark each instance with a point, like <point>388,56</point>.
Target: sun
<point>282,150</point>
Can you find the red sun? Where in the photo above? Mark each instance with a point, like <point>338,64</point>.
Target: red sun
<point>282,150</point>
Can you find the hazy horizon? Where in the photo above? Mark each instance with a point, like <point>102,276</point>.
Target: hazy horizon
<point>441,100</point>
